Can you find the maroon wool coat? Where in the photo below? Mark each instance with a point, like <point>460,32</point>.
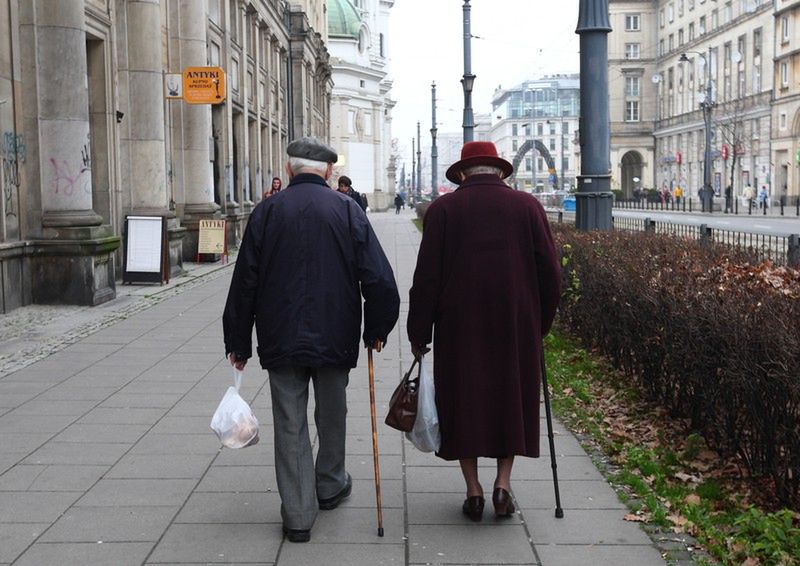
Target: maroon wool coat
<point>488,280</point>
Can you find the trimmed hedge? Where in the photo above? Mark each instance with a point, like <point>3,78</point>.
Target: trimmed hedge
<point>709,335</point>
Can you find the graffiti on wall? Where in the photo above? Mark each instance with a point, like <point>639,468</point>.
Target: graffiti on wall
<point>66,178</point>
<point>12,154</point>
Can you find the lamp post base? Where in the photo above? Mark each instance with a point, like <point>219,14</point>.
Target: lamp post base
<point>593,203</point>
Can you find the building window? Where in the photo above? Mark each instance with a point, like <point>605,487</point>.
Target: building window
<point>213,11</point>
<point>702,27</point>
<point>671,41</point>
<point>513,145</point>
<point>540,163</point>
<point>351,122</point>
<point>552,144</point>
<point>633,22</point>
<point>564,165</point>
<point>784,74</point>
<point>680,8</point>
<point>233,25</point>
<point>661,19</point>
<point>727,13</point>
<point>785,29</point>
<point>691,31</point>
<point>514,130</point>
<point>631,110</point>
<point>632,86</point>
<point>671,12</point>
<point>565,128</point>
<point>540,129</point>
<point>552,128</point>
<point>235,75</point>
<point>528,130</point>
<point>213,56</point>
<point>714,19</point>
<point>527,164</point>
<point>380,44</point>
<point>632,50</point>
<point>680,37</point>
<point>782,121</point>
<point>691,5</point>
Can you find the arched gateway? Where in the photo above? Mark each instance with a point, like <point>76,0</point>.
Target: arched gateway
<point>630,172</point>
<point>526,147</point>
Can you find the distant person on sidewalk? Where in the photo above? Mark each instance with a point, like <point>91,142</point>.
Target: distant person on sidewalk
<point>763,197</point>
<point>749,194</point>
<point>398,204</point>
<point>307,257</point>
<point>345,186</point>
<point>728,199</point>
<point>488,281</point>
<point>275,188</point>
<point>678,195</point>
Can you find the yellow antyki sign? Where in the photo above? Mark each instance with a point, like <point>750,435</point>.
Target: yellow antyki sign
<point>203,85</point>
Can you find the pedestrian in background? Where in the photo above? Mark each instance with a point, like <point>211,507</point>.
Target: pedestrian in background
<point>307,256</point>
<point>678,195</point>
<point>749,193</point>
<point>345,186</point>
<point>275,188</point>
<point>763,197</point>
<point>398,204</point>
<point>728,199</point>
<point>487,280</point>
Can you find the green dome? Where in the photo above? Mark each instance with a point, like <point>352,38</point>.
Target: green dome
<point>343,19</point>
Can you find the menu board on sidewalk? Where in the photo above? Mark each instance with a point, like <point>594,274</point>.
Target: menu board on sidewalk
<point>146,251</point>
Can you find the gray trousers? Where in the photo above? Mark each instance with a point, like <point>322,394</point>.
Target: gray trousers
<point>300,481</point>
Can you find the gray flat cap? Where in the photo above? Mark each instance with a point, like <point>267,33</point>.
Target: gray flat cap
<point>312,148</point>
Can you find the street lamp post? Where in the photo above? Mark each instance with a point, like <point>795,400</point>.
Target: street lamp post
<point>594,197</point>
<point>434,150</point>
<point>706,105</point>
<point>419,161</point>
<point>469,79</point>
<point>414,187</point>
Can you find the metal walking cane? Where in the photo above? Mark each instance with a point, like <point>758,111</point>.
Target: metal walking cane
<point>559,510</point>
<point>377,347</point>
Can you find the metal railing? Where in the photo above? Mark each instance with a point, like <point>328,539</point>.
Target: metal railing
<point>780,250</point>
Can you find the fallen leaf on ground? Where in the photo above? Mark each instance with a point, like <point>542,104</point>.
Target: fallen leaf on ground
<point>634,518</point>
<point>692,499</point>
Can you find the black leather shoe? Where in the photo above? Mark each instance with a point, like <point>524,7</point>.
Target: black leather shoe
<point>333,502</point>
<point>297,535</point>
<point>473,508</point>
<point>503,505</point>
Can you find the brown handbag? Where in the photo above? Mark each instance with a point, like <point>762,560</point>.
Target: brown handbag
<point>403,404</point>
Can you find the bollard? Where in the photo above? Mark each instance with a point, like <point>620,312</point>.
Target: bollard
<point>736,205</point>
<point>690,204</point>
<point>793,250</point>
<point>749,206</point>
<point>649,225</point>
<point>764,206</point>
<point>560,217</point>
<point>781,207</point>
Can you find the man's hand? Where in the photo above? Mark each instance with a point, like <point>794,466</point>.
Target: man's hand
<point>237,363</point>
<point>419,351</point>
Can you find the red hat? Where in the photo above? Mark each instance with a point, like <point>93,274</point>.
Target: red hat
<point>478,153</point>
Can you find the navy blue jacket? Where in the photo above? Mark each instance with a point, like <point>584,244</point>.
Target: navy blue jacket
<point>307,256</point>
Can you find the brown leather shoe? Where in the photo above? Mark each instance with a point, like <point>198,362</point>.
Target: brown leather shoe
<point>503,505</point>
<point>473,507</point>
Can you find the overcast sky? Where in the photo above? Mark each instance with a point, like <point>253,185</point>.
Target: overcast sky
<point>516,40</point>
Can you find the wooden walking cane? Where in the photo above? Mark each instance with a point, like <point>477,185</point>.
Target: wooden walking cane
<point>377,347</point>
<point>559,510</point>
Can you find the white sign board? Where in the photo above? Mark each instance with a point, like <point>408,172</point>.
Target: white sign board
<point>144,244</point>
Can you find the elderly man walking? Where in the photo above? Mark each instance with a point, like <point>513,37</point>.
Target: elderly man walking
<point>488,280</point>
<point>307,256</point>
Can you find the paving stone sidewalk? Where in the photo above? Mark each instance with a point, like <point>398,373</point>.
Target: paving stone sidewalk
<point>106,458</point>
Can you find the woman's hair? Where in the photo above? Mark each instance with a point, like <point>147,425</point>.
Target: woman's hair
<point>483,170</point>
<point>277,179</point>
<point>345,180</point>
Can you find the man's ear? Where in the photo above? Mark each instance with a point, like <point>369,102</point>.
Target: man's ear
<point>289,171</point>
<point>328,171</point>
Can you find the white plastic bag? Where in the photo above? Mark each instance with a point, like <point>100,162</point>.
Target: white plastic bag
<point>425,434</point>
<point>234,421</point>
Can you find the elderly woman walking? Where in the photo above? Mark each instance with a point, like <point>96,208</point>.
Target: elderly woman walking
<point>487,281</point>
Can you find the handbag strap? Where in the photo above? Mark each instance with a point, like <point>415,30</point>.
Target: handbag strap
<point>407,376</point>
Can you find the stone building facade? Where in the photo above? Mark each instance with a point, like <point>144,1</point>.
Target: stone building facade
<point>663,55</point>
<point>89,136</point>
<point>361,104</point>
<point>786,105</point>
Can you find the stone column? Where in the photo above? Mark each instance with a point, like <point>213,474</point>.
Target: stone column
<point>194,139</point>
<point>198,184</point>
<point>63,101</point>
<point>72,260</point>
<point>148,170</point>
